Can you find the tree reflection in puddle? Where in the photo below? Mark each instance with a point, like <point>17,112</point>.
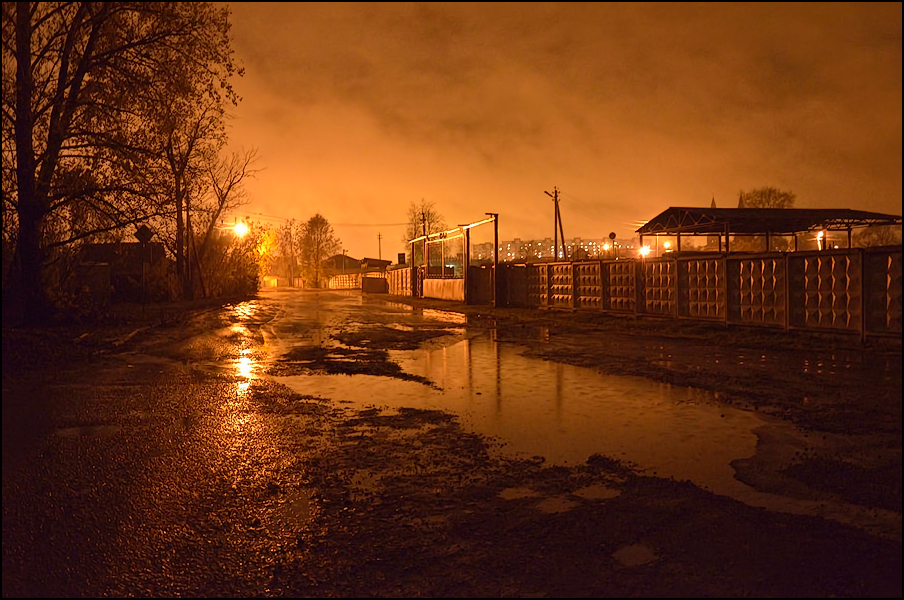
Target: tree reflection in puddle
<point>560,412</point>
<point>566,414</point>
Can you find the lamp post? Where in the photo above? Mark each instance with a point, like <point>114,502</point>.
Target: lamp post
<point>144,235</point>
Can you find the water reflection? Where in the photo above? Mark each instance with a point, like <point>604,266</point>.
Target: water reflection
<point>560,412</point>
<point>443,315</point>
<point>245,311</point>
<point>565,414</point>
<point>245,368</point>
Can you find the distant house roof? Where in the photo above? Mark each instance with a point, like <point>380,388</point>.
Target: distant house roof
<point>702,221</point>
<point>375,263</point>
<point>341,261</point>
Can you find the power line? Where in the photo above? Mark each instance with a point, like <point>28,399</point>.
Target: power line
<point>367,224</point>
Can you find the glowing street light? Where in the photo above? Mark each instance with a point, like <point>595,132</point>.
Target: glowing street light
<point>644,250</point>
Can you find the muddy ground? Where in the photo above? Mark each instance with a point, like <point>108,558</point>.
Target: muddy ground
<point>408,504</point>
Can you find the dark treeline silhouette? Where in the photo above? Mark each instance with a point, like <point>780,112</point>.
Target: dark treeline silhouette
<point>113,122</point>
<point>300,250</point>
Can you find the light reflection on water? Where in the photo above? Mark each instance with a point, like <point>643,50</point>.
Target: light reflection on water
<point>444,315</point>
<point>560,412</point>
<point>246,369</point>
<point>565,414</point>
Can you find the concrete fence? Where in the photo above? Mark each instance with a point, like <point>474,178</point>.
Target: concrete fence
<point>376,282</point>
<point>854,290</point>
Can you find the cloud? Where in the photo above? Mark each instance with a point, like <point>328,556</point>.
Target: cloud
<point>629,108</point>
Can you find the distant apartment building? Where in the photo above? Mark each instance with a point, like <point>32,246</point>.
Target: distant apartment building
<point>518,250</point>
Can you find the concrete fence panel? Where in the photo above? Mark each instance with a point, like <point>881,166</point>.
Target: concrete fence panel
<point>758,291</point>
<point>882,290</point>
<point>561,285</point>
<point>701,288</point>
<point>537,288</point>
<point>659,287</point>
<point>588,285</point>
<point>825,290</point>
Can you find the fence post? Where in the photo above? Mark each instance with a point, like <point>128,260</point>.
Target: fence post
<point>574,285</point>
<point>862,289</point>
<point>788,287</point>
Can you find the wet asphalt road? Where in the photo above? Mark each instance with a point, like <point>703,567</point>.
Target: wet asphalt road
<point>153,471</point>
<point>158,470</point>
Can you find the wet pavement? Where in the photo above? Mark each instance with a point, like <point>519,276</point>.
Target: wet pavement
<point>536,408</point>
<point>184,453</point>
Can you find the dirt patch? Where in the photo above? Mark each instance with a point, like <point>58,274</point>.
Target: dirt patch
<point>340,361</point>
<point>388,338</point>
<point>430,513</point>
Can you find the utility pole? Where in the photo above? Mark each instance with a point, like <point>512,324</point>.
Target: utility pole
<point>379,247</point>
<point>424,225</point>
<point>495,217</point>
<point>557,227</point>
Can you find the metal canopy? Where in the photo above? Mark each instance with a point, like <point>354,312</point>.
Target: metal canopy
<point>777,221</point>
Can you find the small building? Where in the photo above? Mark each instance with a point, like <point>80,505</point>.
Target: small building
<point>722,225</point>
<point>374,265</point>
<point>128,265</point>
<point>340,263</point>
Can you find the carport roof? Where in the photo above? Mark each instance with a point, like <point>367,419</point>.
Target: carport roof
<point>702,221</point>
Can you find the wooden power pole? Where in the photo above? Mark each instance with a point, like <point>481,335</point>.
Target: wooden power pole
<point>557,227</point>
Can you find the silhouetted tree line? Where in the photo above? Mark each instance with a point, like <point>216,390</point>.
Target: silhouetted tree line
<point>113,118</point>
<point>303,247</point>
<point>423,219</point>
<point>772,197</point>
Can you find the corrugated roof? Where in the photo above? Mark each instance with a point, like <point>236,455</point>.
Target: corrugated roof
<point>697,220</point>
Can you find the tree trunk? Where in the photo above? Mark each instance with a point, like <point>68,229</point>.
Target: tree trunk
<point>31,205</point>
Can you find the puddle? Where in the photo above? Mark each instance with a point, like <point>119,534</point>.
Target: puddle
<point>634,555</point>
<point>560,412</point>
<point>293,513</point>
<point>565,414</point>
<point>537,408</point>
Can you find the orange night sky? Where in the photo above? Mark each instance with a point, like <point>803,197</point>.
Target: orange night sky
<point>359,109</point>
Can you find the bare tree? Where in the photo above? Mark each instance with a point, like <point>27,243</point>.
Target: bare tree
<point>879,235</point>
<point>87,87</point>
<point>226,177</point>
<point>318,242</point>
<point>288,248</point>
<point>423,219</point>
<point>763,197</point>
<point>188,142</point>
<point>766,197</point>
